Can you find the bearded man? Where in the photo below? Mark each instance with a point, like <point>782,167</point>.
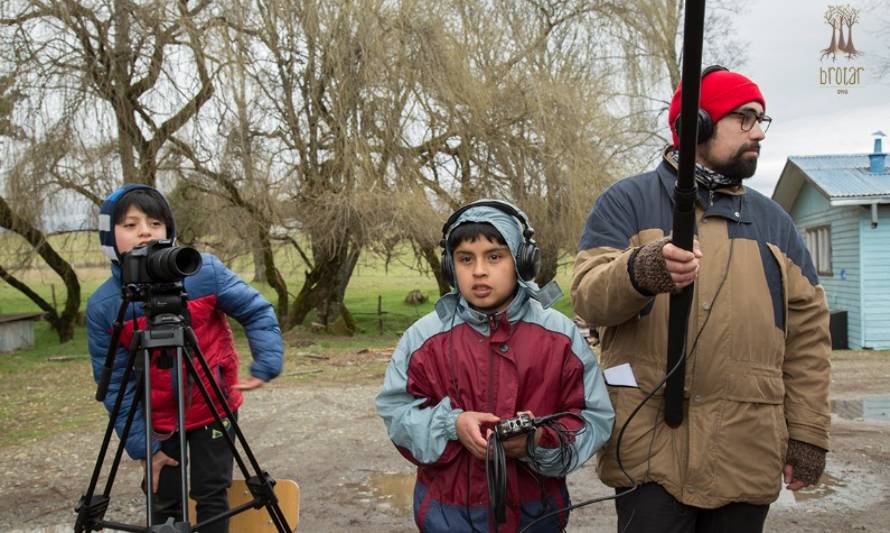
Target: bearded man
<point>757,368</point>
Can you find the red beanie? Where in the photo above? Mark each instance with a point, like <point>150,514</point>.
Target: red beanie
<point>721,92</point>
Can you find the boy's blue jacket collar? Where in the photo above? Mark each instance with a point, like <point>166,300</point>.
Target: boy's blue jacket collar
<point>453,302</point>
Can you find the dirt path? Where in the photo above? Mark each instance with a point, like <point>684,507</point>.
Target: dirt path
<point>330,440</point>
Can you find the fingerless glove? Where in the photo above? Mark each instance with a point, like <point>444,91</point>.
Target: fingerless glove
<point>808,461</point>
<point>648,271</point>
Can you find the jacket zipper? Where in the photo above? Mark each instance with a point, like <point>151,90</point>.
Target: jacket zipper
<point>492,326</point>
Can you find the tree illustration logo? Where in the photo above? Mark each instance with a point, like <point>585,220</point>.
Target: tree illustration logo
<point>840,17</point>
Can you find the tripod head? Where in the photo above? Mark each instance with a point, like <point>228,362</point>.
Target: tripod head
<point>158,299</point>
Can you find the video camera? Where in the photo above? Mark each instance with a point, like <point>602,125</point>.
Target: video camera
<point>159,262</point>
<point>153,273</point>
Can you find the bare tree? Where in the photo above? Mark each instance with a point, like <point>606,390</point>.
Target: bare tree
<point>318,73</point>
<point>513,101</point>
<point>27,225</point>
<point>63,322</point>
<point>649,33</point>
<point>137,57</point>
<point>143,60</point>
<point>329,129</point>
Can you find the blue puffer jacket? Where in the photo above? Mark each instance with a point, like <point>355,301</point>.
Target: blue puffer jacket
<point>214,293</point>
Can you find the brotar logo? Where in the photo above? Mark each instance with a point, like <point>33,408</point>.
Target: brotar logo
<point>840,18</point>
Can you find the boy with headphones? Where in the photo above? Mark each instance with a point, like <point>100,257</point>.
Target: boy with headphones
<point>492,349</point>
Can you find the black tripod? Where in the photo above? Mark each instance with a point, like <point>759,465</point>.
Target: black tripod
<point>168,331</point>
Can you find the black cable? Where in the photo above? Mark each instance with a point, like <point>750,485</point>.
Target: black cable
<point>496,478</point>
<point>496,459</point>
<point>564,435</point>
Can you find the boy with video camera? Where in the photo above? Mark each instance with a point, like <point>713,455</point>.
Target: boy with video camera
<point>133,216</point>
<point>493,350</point>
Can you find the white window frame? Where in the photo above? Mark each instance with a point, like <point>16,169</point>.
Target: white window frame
<point>818,240</point>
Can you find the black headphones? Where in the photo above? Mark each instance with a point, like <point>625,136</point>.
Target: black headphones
<point>705,124</point>
<point>528,256</point>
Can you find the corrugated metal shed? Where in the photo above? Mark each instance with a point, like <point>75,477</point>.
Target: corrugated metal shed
<point>17,331</point>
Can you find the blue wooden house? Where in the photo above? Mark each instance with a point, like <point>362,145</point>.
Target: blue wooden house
<point>841,206</point>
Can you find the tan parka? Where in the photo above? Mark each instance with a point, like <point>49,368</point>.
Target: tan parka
<point>758,346</point>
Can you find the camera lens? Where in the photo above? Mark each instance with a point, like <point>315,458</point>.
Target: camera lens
<point>173,264</point>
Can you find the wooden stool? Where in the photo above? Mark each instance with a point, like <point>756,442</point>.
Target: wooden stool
<point>258,520</point>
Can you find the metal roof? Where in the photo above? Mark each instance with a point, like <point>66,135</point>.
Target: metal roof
<point>5,319</point>
<point>844,176</point>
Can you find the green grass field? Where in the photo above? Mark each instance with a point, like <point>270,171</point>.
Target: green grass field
<point>50,387</point>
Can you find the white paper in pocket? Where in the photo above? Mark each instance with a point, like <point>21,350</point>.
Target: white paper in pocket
<point>620,376</point>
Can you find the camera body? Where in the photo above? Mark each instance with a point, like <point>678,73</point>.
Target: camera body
<point>159,262</point>
<point>511,427</point>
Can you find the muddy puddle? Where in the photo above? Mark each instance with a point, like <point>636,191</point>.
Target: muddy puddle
<point>385,490</point>
<point>835,490</point>
<point>816,495</point>
<point>868,408</point>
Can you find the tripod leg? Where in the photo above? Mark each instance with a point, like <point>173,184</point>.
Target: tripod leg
<point>180,423</point>
<point>91,508</point>
<point>138,396</point>
<point>262,486</point>
<point>149,479</point>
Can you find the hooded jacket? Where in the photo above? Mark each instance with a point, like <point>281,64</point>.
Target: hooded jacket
<point>757,368</point>
<point>214,293</point>
<point>528,357</point>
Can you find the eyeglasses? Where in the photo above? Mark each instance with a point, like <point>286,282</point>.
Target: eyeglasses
<point>748,118</point>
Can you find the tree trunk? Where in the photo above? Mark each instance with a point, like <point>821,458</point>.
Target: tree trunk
<point>119,83</point>
<point>325,286</point>
<point>259,266</point>
<point>273,276</point>
<point>305,300</point>
<point>549,264</point>
<point>330,302</point>
<point>432,255</point>
<point>62,324</point>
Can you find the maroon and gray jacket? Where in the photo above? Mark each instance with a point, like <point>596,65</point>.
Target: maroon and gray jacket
<point>456,359</point>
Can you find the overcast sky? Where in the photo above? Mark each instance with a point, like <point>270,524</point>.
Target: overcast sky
<point>784,44</point>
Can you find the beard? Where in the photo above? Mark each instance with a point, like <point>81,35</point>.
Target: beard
<point>741,166</point>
